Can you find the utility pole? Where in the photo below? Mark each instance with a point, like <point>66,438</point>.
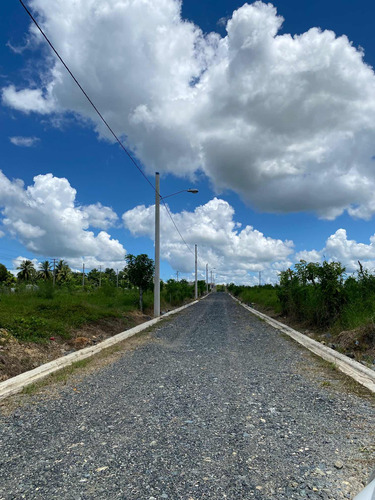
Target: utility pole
<point>211,281</point>
<point>157,247</point>
<point>196,272</point>
<point>260,277</point>
<point>177,275</point>
<point>117,279</point>
<point>54,272</point>
<point>83,274</point>
<point>100,276</point>
<point>206,278</point>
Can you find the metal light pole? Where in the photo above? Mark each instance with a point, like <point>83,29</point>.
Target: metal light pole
<point>206,278</point>
<point>157,240</point>
<point>157,247</point>
<point>196,272</point>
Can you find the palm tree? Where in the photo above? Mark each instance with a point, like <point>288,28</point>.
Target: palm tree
<point>27,271</point>
<point>63,272</point>
<point>45,271</point>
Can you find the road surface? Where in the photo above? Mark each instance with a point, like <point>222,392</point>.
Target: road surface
<point>214,404</point>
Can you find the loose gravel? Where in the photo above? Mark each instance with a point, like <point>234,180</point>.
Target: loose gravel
<point>216,405</point>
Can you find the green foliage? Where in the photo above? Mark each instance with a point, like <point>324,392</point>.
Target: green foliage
<point>201,287</point>
<point>3,273</point>
<point>45,272</point>
<point>176,292</point>
<point>37,315</point>
<point>266,295</point>
<point>11,280</point>
<point>27,272</point>
<point>319,295</point>
<point>63,273</point>
<point>30,329</point>
<point>314,293</point>
<point>46,290</point>
<point>140,272</point>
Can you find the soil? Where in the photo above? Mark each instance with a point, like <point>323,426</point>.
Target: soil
<point>17,357</point>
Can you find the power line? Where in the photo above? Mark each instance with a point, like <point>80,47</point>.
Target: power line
<point>175,225</point>
<point>102,117</point>
<point>86,95</point>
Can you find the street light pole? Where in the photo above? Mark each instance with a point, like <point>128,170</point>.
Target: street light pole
<point>196,272</point>
<point>157,247</point>
<point>206,278</point>
<point>158,197</point>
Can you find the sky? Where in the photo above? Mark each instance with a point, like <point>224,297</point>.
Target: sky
<point>268,109</point>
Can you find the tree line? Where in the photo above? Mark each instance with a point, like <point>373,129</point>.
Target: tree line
<point>138,273</point>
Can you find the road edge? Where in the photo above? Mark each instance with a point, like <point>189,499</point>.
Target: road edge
<point>19,382</point>
<point>361,374</point>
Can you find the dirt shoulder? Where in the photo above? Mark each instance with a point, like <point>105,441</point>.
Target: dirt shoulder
<point>17,357</point>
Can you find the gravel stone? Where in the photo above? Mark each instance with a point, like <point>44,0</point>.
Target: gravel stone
<point>217,404</point>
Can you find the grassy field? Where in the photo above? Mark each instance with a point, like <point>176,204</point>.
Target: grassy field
<point>37,315</point>
<point>265,296</point>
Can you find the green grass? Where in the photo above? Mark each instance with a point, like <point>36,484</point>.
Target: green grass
<point>264,296</point>
<point>36,316</point>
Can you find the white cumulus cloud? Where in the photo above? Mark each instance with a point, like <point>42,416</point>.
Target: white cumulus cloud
<point>232,251</point>
<point>340,248</point>
<point>288,122</point>
<point>46,219</point>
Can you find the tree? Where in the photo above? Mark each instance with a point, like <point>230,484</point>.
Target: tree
<point>27,271</point>
<point>94,277</point>
<point>140,272</point>
<point>123,278</point>
<point>3,273</point>
<point>110,276</point>
<point>63,272</point>
<point>45,271</point>
<point>11,280</point>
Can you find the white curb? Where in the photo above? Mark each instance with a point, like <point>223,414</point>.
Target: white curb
<point>355,370</point>
<point>17,383</point>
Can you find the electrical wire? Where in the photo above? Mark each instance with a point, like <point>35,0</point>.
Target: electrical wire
<point>86,95</point>
<point>102,117</point>
<point>175,225</point>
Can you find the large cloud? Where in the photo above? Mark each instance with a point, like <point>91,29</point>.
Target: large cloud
<point>45,218</point>
<point>339,248</point>
<point>233,251</point>
<point>287,122</point>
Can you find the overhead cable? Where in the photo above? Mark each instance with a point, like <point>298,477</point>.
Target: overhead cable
<point>101,116</point>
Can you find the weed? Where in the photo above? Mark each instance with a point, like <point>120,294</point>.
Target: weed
<point>325,383</point>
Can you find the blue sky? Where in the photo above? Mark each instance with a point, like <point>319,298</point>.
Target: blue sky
<point>272,122</point>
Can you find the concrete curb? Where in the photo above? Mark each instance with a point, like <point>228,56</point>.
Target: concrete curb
<point>355,370</point>
<point>17,383</point>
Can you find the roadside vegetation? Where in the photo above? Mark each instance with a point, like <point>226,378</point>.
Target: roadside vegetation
<point>340,309</point>
<point>40,304</point>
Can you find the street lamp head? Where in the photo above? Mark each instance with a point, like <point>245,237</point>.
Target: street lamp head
<point>192,191</point>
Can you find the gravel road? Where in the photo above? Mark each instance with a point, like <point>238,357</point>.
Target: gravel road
<point>216,404</point>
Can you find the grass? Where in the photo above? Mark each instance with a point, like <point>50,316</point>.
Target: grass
<point>263,295</point>
<point>36,316</point>
<point>59,376</point>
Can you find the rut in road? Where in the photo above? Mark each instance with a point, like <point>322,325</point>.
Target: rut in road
<point>217,404</point>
